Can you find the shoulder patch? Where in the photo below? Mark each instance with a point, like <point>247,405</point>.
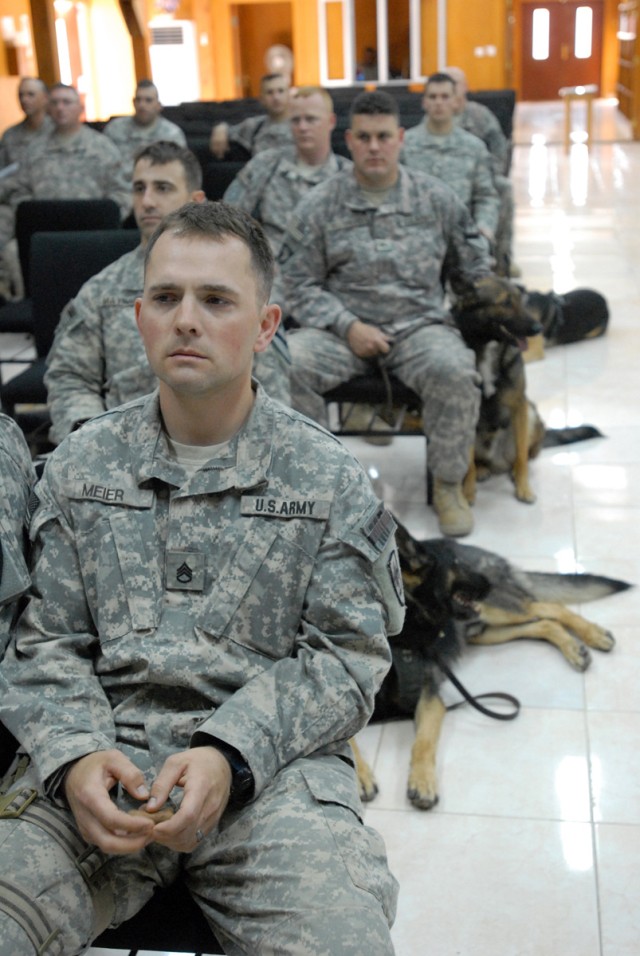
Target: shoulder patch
<point>378,528</point>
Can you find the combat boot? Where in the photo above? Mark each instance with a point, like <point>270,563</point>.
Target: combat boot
<point>452,508</point>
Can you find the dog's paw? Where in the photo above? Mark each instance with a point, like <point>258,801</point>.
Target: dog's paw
<point>577,655</point>
<point>597,637</point>
<point>525,494</point>
<point>422,801</point>
<point>368,788</point>
<point>422,790</point>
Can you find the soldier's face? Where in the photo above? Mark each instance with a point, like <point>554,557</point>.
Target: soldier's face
<point>274,96</point>
<point>440,101</point>
<point>65,108</point>
<point>146,105</point>
<point>311,124</point>
<point>32,97</point>
<point>157,191</point>
<point>375,143</point>
<point>201,317</point>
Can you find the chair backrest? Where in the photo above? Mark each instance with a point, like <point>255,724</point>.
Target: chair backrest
<point>57,215</point>
<point>61,262</point>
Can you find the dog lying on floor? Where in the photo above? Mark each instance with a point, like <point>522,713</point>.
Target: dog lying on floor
<point>456,595</point>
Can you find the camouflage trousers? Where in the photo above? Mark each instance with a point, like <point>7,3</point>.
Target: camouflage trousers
<point>432,360</point>
<point>294,872</point>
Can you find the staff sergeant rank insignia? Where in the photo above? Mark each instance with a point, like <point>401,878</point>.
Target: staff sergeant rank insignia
<point>184,570</point>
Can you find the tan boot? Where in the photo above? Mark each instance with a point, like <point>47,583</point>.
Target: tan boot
<point>452,508</point>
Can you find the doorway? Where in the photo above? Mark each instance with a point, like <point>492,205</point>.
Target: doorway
<point>256,27</point>
<point>561,46</point>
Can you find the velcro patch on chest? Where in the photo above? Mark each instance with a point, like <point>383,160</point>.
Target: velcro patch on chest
<point>267,507</point>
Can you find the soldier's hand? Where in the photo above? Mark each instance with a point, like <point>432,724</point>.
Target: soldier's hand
<point>367,341</point>
<point>204,775</point>
<point>86,787</point>
<point>219,140</point>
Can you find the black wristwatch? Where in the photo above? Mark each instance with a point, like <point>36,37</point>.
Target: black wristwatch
<point>242,782</point>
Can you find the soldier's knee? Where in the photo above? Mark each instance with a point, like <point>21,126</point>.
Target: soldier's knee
<point>25,927</point>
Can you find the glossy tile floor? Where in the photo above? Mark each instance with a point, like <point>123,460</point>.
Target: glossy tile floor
<point>533,849</point>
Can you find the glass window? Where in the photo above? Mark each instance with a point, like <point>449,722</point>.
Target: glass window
<point>540,40</point>
<point>584,33</point>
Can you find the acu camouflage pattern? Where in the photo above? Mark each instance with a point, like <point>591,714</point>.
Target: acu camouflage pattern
<point>269,188</point>
<point>15,143</point>
<point>478,119</point>
<point>345,258</point>
<point>463,163</point>
<point>17,477</point>
<point>84,166</point>
<point>129,136</point>
<point>257,133</point>
<point>269,634</point>
<point>98,361</point>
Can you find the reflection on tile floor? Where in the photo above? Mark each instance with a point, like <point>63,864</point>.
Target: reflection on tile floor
<point>533,849</point>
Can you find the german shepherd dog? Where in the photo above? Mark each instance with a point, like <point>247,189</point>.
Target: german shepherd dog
<point>497,322</point>
<point>456,595</point>
<point>494,322</point>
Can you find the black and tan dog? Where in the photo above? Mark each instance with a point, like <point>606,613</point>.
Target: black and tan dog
<point>494,321</point>
<point>457,595</point>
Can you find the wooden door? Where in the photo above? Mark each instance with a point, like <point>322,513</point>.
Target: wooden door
<point>545,71</point>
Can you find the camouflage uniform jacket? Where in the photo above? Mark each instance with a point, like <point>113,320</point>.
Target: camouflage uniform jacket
<point>97,359</point>
<point>270,186</point>
<point>257,133</point>
<point>16,480</point>
<point>249,602</point>
<point>478,119</point>
<point>461,161</point>
<point>15,143</point>
<point>345,258</point>
<point>84,166</point>
<point>130,136</point>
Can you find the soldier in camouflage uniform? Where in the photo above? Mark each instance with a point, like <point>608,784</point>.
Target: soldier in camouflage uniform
<point>16,479</point>
<point>256,133</point>
<point>214,582</point>
<point>71,162</point>
<point>18,139</point>
<point>97,359</point>
<point>440,148</point>
<point>478,119</point>
<point>132,133</point>
<point>363,264</point>
<point>270,186</point>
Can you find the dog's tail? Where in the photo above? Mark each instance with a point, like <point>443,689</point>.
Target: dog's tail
<point>567,436</point>
<point>573,588</point>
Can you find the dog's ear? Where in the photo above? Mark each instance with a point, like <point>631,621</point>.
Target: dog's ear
<point>411,557</point>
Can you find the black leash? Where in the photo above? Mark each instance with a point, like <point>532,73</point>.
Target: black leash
<point>474,701</point>
<point>468,698</point>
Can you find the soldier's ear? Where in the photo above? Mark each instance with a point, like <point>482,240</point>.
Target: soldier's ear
<point>137,306</point>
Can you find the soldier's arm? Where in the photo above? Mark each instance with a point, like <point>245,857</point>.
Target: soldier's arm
<point>484,197</point>
<point>467,257</point>
<point>76,363</point>
<point>319,696</point>
<point>304,261</point>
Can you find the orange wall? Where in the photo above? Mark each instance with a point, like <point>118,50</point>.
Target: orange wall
<point>476,42</point>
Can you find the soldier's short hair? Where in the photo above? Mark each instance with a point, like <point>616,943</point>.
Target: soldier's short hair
<point>305,91</point>
<point>375,103</point>
<point>439,78</point>
<point>272,76</point>
<point>34,79</point>
<point>219,221</point>
<point>146,85</point>
<point>163,152</point>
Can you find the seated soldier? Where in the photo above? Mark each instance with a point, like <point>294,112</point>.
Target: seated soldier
<point>256,133</point>
<point>363,265</point>
<point>97,359</point>
<point>17,477</point>
<point>442,149</point>
<point>270,186</point>
<point>214,583</point>
<point>131,133</point>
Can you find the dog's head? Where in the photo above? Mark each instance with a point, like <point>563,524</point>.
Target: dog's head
<point>494,309</point>
<point>435,579</point>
